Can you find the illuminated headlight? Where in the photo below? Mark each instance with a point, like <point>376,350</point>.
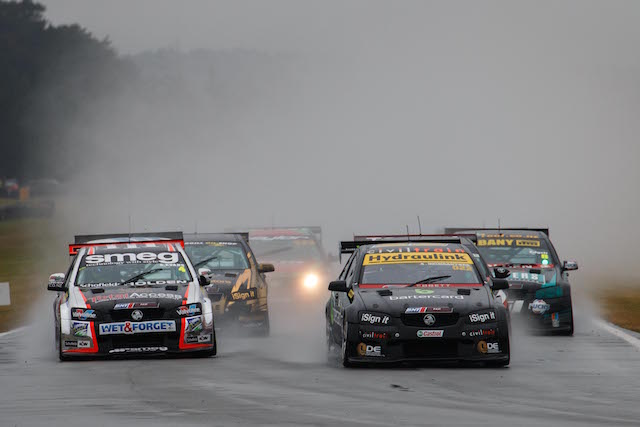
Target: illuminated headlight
<point>311,281</point>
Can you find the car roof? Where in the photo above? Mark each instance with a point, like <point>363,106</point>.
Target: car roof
<point>511,233</point>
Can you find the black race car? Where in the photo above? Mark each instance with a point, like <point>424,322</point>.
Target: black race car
<point>539,290</point>
<point>416,298</point>
<point>238,288</point>
<point>131,295</point>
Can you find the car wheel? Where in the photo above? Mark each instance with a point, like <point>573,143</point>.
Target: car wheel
<point>61,356</point>
<point>345,352</point>
<point>331,343</point>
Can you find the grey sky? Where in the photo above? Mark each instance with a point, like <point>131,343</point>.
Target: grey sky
<point>462,112</point>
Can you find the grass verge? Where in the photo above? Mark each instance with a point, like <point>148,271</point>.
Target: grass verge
<point>26,246</point>
<point>622,308</point>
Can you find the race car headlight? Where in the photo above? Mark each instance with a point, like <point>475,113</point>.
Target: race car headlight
<point>480,317</point>
<point>369,318</point>
<point>311,281</point>
<point>189,310</point>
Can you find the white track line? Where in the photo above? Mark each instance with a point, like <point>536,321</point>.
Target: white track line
<point>12,332</point>
<point>618,332</point>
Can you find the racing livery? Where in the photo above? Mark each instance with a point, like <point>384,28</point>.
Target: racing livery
<point>539,292</point>
<point>238,287</point>
<point>297,254</point>
<point>131,294</point>
<point>416,298</point>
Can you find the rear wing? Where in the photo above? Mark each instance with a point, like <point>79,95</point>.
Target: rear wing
<point>92,240</point>
<point>244,235</point>
<point>453,230</point>
<point>350,246</point>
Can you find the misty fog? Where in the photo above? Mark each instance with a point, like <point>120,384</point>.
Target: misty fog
<point>359,116</point>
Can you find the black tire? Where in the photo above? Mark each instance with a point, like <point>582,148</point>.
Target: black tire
<point>345,353</point>
<point>62,357</point>
<point>331,344</point>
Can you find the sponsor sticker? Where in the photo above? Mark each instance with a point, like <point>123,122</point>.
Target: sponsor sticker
<point>132,305</point>
<point>555,320</point>
<point>188,311</point>
<point>138,350</point>
<point>403,297</point>
<point>424,291</point>
<point>204,338</point>
<point>482,317</point>
<point>410,310</point>
<point>413,258</point>
<point>527,277</point>
<point>369,350</point>
<point>485,347</point>
<point>372,335</point>
<point>80,329</point>
<point>134,295</point>
<point>71,343</point>
<point>82,314</point>
<point>84,344</point>
<point>137,327</point>
<point>539,306</point>
<point>244,295</point>
<point>193,324</point>
<point>530,243</point>
<point>132,258</point>
<point>374,319</point>
<point>429,333</point>
<point>482,333</point>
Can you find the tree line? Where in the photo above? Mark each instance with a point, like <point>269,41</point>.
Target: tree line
<point>48,74</point>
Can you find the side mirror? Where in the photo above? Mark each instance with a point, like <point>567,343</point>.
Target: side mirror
<point>266,268</point>
<point>569,265</point>
<point>501,273</point>
<point>498,284</point>
<point>338,286</point>
<point>202,276</point>
<point>56,283</point>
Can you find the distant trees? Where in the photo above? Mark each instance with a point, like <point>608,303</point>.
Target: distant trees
<point>51,77</point>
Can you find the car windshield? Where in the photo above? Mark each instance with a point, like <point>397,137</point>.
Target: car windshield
<point>115,267</point>
<point>285,248</point>
<point>412,268</point>
<point>515,251</point>
<point>217,255</point>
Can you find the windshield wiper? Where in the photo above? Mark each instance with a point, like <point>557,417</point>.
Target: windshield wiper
<point>204,261</point>
<point>428,280</point>
<point>141,275</point>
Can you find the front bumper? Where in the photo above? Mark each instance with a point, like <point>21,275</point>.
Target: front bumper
<point>192,334</point>
<point>397,343</point>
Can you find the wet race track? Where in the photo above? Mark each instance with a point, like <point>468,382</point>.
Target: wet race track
<point>589,379</point>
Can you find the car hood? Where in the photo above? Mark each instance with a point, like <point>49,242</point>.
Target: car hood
<point>531,279</point>
<point>395,300</point>
<point>105,298</point>
<point>228,281</point>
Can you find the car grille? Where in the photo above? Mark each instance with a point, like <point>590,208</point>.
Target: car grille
<point>148,314</point>
<point>431,349</point>
<point>442,319</point>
